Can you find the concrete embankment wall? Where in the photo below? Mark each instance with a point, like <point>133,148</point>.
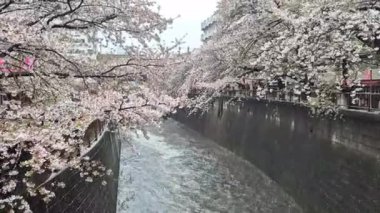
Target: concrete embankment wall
<point>80,195</point>
<point>326,164</point>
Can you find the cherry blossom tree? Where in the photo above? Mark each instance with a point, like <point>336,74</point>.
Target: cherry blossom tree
<point>50,97</point>
<point>310,45</point>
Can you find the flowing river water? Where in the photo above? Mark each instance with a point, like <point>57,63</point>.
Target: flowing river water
<point>177,170</point>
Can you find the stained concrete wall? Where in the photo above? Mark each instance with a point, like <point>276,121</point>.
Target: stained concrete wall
<point>82,196</point>
<point>326,164</point>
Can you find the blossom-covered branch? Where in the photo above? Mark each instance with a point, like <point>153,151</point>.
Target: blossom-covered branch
<point>309,45</point>
<point>49,97</point>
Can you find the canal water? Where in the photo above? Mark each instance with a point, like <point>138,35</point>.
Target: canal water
<point>175,169</point>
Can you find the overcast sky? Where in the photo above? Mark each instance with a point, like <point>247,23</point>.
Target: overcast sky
<point>192,13</point>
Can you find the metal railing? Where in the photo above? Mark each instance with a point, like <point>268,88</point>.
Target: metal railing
<point>368,101</point>
<point>276,95</point>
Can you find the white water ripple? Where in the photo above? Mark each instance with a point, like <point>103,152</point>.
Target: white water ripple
<point>177,170</point>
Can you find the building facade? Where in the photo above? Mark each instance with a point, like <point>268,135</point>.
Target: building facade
<point>89,44</point>
<point>82,45</point>
<point>210,26</point>
<point>233,9</point>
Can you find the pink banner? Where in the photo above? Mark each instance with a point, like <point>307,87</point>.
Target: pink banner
<point>3,67</point>
<point>367,74</point>
<point>26,65</point>
<point>29,62</point>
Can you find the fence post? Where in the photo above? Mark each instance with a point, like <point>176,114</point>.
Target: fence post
<point>342,100</point>
<point>370,98</point>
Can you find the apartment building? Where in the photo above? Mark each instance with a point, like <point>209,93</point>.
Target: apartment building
<point>210,26</point>
<point>226,8</point>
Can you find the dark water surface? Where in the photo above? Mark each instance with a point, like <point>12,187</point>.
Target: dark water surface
<point>177,170</point>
